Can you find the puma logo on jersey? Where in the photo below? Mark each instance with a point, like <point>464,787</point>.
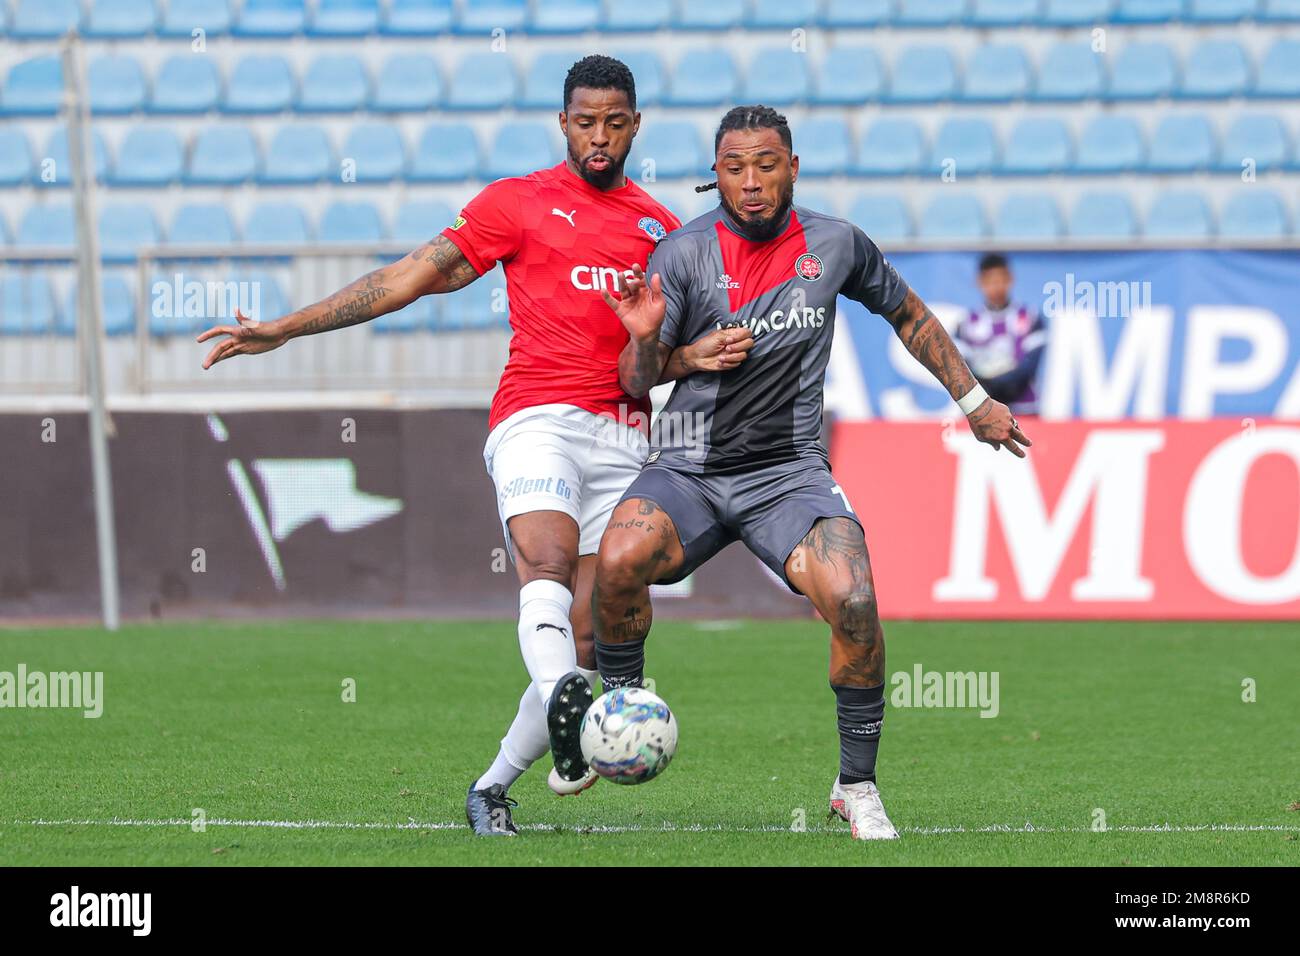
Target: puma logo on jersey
<point>565,215</point>
<point>553,627</point>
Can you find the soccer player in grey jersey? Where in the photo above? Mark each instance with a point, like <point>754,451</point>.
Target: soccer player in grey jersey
<point>737,454</point>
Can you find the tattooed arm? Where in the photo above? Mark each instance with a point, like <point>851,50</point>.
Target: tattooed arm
<point>437,266</point>
<point>928,342</point>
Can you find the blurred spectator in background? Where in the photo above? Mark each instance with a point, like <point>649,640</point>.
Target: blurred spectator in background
<point>1003,341</point>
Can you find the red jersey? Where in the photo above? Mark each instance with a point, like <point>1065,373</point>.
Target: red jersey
<point>561,240</point>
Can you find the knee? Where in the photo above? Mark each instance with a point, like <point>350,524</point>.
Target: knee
<point>622,565</point>
<point>857,612</point>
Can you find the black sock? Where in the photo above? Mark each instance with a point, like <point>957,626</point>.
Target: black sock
<point>861,711</point>
<point>621,665</point>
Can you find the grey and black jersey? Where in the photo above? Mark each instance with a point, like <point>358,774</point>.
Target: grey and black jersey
<point>769,409</point>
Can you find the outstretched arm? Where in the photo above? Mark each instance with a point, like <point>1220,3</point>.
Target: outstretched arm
<point>437,266</point>
<point>928,342</point>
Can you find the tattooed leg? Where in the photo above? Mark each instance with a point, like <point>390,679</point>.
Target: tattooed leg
<point>639,547</point>
<point>831,567</point>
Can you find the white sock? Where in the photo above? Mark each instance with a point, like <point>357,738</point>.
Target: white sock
<point>592,678</point>
<point>545,634</point>
<point>525,741</point>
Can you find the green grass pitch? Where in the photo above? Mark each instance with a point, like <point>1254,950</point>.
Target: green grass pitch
<point>246,721</point>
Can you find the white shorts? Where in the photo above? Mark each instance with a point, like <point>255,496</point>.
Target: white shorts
<point>563,458</point>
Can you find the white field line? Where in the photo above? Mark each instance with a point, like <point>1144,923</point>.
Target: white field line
<point>666,827</point>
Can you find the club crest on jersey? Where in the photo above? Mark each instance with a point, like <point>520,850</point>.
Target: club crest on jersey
<point>460,221</point>
<point>652,227</point>
<point>808,266</point>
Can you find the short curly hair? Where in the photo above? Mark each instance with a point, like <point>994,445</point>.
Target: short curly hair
<point>597,72</point>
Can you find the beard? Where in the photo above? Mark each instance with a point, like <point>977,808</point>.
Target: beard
<point>600,178</point>
<point>769,227</point>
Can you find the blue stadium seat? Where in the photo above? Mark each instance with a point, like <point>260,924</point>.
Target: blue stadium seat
<point>1109,144</point>
<point>1279,72</point>
<point>417,17</point>
<point>891,146</point>
<point>116,85</point>
<point>259,84</point>
<point>815,199</point>
<point>56,160</point>
<point>186,83</point>
<point>44,19</point>
<point>117,306</point>
<point>1216,69</point>
<point>1280,11</point>
<point>1258,137</point>
<point>1069,72</point>
<point>148,156</point>
<point>344,18</point>
<point>33,87</point>
<point>1103,215</point>
<point>882,216</point>
<point>518,149</point>
<point>923,74</point>
<point>1182,143</point>
<point>270,18</point>
<point>849,76</point>
<point>298,155</point>
<point>966,145</point>
<point>1179,214</point>
<point>120,19</point>
<point>648,70</point>
<point>408,83</point>
<point>481,81</point>
<point>351,222</point>
<point>47,226</point>
<point>447,152</point>
<point>422,314</point>
<point>26,304</point>
<point>418,222</point>
<point>1028,216</point>
<point>544,82</point>
<point>275,223</point>
<point>125,228</point>
<point>1254,213</point>
<point>476,305</point>
<point>1038,145</point>
<point>996,73</point>
<point>223,155</point>
<point>484,16</point>
<point>1003,13</point>
<point>929,13</point>
<point>202,224</point>
<point>15,157</point>
<point>703,78</point>
<point>636,15</point>
<point>855,13</point>
<point>334,84</point>
<point>777,76</point>
<point>4,231</point>
<point>182,17</point>
<point>565,16</point>
<point>377,152</point>
<point>825,147</point>
<point>1075,13</point>
<point>673,146</point>
<point>1147,11</point>
<point>1143,71</point>
<point>714,15</point>
<point>268,301</point>
<point>953,217</point>
<point>1220,11</point>
<point>780,14</point>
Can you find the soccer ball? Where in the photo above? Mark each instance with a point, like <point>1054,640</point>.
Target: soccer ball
<point>628,735</point>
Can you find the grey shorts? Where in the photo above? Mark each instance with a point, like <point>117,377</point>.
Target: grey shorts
<point>770,508</point>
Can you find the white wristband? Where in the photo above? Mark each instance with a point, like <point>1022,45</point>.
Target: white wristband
<point>972,399</point>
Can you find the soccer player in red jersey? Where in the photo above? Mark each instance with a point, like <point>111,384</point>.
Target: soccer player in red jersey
<point>565,438</point>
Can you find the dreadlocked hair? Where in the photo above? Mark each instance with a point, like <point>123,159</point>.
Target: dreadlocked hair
<point>749,117</point>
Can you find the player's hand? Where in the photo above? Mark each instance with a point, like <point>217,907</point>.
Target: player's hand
<point>720,350</point>
<point>993,424</point>
<point>640,305</point>
<point>246,338</point>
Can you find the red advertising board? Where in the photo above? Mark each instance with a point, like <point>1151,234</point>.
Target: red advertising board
<point>1161,519</point>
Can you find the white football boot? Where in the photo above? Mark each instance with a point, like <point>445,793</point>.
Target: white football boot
<point>570,788</point>
<point>859,804</point>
